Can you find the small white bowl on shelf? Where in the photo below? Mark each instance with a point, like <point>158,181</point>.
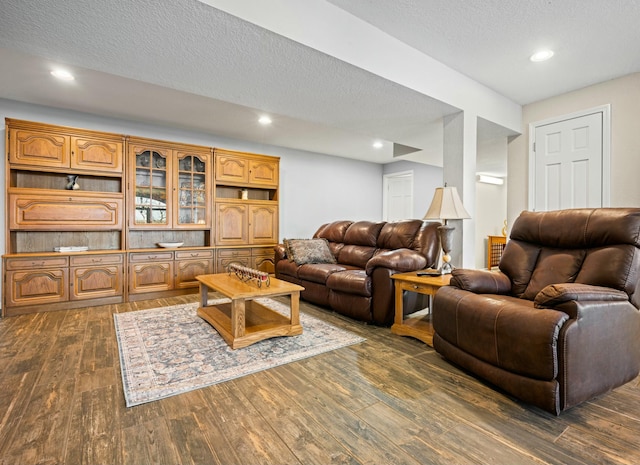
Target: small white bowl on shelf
<point>170,245</point>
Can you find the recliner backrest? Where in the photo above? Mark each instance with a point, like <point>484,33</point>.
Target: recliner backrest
<point>598,246</point>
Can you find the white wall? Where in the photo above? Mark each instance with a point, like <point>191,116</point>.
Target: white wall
<point>491,200</point>
<point>623,94</point>
<point>315,188</point>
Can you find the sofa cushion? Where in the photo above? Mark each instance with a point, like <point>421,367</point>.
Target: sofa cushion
<point>363,233</point>
<point>554,266</point>
<point>398,234</point>
<point>355,255</point>
<point>333,232</point>
<point>351,282</point>
<point>304,251</point>
<point>318,272</point>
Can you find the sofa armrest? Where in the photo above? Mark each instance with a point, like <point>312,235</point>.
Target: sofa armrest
<point>556,294</point>
<point>280,252</point>
<point>481,281</point>
<point>401,260</point>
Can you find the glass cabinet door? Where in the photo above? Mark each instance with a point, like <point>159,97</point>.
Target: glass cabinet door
<point>192,189</point>
<point>151,188</point>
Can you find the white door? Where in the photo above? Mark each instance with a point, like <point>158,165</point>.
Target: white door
<point>398,196</point>
<point>569,163</point>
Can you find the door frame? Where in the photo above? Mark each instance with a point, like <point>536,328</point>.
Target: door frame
<point>606,150</point>
<point>385,190</point>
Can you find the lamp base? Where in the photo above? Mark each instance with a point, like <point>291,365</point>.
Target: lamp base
<point>446,241</point>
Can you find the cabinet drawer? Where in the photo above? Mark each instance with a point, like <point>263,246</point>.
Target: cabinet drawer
<point>87,260</point>
<point>186,254</point>
<point>150,256</point>
<point>50,210</point>
<point>36,263</point>
<point>234,253</point>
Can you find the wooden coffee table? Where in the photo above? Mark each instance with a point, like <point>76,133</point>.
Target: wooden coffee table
<point>243,321</point>
<point>418,326</point>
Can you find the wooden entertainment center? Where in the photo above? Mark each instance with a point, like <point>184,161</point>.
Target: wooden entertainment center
<point>118,197</point>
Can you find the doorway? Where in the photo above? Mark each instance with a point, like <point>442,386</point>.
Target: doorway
<point>397,192</point>
<point>569,161</point>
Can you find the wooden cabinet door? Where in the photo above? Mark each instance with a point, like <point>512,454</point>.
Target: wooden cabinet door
<point>187,270</point>
<point>150,277</point>
<point>263,172</point>
<point>263,224</point>
<point>36,148</point>
<point>192,189</point>
<point>64,210</point>
<point>96,281</point>
<point>231,168</point>
<point>232,227</point>
<point>263,259</point>
<point>96,154</point>
<point>150,195</point>
<point>37,287</point>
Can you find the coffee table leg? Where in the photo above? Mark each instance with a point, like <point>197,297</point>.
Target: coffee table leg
<point>295,308</point>
<point>204,295</point>
<point>237,317</point>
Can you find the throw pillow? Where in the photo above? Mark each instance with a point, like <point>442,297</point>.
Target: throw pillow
<point>303,251</point>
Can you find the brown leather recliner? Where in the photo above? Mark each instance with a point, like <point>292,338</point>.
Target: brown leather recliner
<point>559,322</point>
<point>359,284</point>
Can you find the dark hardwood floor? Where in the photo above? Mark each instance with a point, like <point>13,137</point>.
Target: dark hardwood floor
<point>389,400</point>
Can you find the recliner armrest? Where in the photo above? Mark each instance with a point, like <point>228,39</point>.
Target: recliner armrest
<point>401,260</point>
<point>556,294</point>
<point>481,281</point>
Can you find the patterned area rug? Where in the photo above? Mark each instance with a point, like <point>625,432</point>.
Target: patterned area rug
<point>171,350</point>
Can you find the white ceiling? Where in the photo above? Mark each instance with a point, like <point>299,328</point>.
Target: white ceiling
<point>184,64</point>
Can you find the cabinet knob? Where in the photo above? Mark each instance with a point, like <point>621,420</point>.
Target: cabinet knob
<point>96,260</point>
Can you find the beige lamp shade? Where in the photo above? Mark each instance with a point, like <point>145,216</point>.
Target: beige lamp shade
<point>446,205</point>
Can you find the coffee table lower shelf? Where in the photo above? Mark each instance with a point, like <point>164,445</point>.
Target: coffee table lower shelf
<point>260,323</point>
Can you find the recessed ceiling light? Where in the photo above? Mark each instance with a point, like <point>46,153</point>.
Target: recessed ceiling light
<point>377,144</point>
<point>62,74</point>
<point>541,55</point>
<point>265,120</point>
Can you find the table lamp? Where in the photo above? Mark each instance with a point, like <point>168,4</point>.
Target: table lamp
<point>446,205</point>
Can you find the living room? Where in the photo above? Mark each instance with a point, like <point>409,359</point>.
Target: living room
<point>318,186</point>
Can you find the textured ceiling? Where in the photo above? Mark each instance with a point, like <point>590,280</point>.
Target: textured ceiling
<point>184,64</point>
<point>491,40</point>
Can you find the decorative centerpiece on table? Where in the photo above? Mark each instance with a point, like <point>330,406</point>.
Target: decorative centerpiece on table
<point>246,274</point>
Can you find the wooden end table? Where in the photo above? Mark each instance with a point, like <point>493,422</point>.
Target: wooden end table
<point>243,321</point>
<point>418,326</point>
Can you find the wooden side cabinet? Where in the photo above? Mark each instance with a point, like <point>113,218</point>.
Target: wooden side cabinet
<point>191,263</point>
<point>150,272</point>
<point>96,276</point>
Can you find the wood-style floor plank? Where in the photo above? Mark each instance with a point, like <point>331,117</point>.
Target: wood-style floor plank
<point>390,399</point>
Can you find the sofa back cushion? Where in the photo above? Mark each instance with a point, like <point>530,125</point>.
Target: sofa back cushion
<point>363,233</point>
<point>333,232</point>
<point>398,234</point>
<point>600,247</point>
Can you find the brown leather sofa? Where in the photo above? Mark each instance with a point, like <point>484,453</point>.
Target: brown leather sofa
<point>359,283</point>
<point>558,323</point>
